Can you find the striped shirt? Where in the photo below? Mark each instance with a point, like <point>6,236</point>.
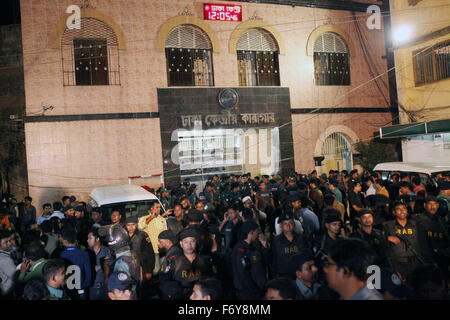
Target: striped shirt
<point>153,229</point>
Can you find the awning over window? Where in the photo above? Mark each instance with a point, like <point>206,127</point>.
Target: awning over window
<point>414,129</point>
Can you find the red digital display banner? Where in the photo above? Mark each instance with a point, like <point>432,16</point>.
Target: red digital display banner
<point>222,12</point>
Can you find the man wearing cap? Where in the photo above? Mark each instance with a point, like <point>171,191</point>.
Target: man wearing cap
<point>374,237</point>
<point>408,245</point>
<point>168,248</point>
<point>333,225</point>
<point>436,233</point>
<point>249,270</point>
<point>226,195</point>
<point>292,186</point>
<point>285,245</point>
<point>153,224</point>
<point>141,248</point>
<point>165,199</point>
<point>120,286</point>
<point>185,269</point>
<point>247,185</point>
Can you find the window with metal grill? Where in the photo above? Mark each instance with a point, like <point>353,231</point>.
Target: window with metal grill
<point>432,64</point>
<point>257,55</point>
<point>90,55</point>
<point>331,61</point>
<point>189,57</point>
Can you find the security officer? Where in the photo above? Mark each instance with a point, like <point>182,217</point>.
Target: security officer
<point>192,196</point>
<point>141,247</point>
<point>184,270</point>
<point>333,225</point>
<point>375,238</point>
<point>436,233</point>
<point>408,246</point>
<point>165,199</point>
<point>118,243</point>
<point>168,248</point>
<point>285,245</point>
<point>249,270</point>
<point>247,186</point>
<point>235,192</point>
<point>225,197</point>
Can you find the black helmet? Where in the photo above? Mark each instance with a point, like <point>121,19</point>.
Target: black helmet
<point>116,237</point>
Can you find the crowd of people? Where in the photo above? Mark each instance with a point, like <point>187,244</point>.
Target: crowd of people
<point>301,237</point>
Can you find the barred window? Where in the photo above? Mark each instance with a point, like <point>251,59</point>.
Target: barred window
<point>257,55</point>
<point>432,64</point>
<point>331,61</point>
<point>189,57</point>
<point>90,55</point>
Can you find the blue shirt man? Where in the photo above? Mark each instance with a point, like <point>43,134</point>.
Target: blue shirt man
<point>77,257</point>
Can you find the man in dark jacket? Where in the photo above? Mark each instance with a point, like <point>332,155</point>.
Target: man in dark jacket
<point>142,250</point>
<point>408,245</point>
<point>184,270</point>
<point>285,245</point>
<point>249,271</point>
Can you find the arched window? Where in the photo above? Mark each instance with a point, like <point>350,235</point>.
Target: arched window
<point>189,57</point>
<point>337,152</point>
<point>257,53</point>
<point>331,61</point>
<point>90,54</point>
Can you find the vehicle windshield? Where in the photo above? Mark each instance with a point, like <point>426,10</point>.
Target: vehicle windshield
<point>138,208</point>
<point>435,174</point>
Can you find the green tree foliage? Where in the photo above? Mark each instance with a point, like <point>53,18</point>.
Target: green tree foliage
<point>374,152</point>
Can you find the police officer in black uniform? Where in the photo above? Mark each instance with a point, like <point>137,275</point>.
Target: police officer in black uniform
<point>285,246</point>
<point>375,238</point>
<point>183,271</point>
<point>249,270</point>
<point>436,233</point>
<point>247,185</point>
<point>408,246</point>
<point>168,248</point>
<point>142,250</point>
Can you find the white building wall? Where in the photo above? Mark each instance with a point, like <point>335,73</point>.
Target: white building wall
<point>427,148</point>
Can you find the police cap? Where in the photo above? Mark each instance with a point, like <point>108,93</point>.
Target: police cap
<point>294,197</point>
<point>431,199</point>
<point>120,281</point>
<point>364,211</point>
<point>167,235</point>
<point>398,203</point>
<point>332,215</point>
<point>187,233</point>
<point>195,215</point>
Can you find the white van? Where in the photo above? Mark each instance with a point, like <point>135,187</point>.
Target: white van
<point>426,171</point>
<point>129,199</point>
